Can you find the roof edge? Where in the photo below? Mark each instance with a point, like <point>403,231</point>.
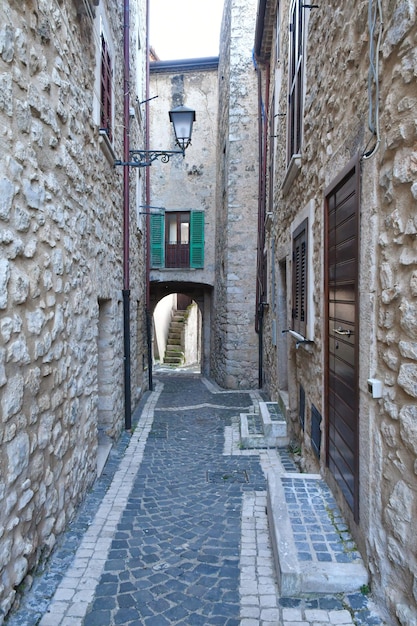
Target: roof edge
<point>184,65</point>
<point>260,25</point>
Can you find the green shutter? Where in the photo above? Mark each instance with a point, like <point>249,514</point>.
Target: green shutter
<point>197,239</point>
<point>157,240</point>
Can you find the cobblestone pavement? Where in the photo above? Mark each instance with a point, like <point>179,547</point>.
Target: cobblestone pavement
<point>175,531</point>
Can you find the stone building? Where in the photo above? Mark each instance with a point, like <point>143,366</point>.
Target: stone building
<point>182,226</point>
<point>216,181</point>
<point>338,87</point>
<point>234,344</point>
<point>62,244</point>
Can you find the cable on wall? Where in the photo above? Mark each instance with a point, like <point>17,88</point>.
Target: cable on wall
<point>376,27</point>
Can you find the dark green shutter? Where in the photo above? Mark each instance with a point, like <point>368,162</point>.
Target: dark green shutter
<point>197,239</point>
<point>157,240</point>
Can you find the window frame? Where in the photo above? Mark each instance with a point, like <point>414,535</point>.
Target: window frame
<point>160,239</point>
<point>296,62</point>
<point>300,279</point>
<point>106,88</point>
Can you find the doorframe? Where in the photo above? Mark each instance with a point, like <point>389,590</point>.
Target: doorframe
<point>353,164</point>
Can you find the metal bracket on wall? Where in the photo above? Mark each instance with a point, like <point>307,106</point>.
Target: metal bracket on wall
<point>301,340</point>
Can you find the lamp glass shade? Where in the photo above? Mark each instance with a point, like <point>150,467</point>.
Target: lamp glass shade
<point>182,119</point>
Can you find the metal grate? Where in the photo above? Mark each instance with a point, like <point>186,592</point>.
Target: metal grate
<point>227,476</point>
<point>315,430</point>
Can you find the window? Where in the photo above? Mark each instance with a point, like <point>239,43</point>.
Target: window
<point>299,279</point>
<point>295,87</point>
<point>177,239</point>
<point>106,90</point>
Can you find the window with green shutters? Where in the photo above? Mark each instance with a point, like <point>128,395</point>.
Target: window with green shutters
<point>165,237</point>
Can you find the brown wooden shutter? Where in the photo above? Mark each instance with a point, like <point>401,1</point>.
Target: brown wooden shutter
<point>299,272</point>
<point>106,90</point>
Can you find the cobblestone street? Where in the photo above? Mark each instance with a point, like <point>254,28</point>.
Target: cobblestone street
<point>175,531</point>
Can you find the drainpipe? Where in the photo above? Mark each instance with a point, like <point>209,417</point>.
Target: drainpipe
<point>126,207</point>
<point>263,149</point>
<point>147,216</point>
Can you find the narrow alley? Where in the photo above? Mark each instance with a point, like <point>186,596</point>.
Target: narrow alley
<point>175,531</point>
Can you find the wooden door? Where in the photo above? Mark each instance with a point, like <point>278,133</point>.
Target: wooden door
<point>342,397</point>
<point>177,242</point>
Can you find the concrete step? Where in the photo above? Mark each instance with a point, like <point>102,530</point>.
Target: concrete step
<point>178,316</point>
<point>268,429</point>
<point>313,549</point>
<point>170,360</point>
<point>274,422</point>
<point>176,325</point>
<point>251,433</point>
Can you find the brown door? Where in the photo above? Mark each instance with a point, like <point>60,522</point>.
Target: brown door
<point>177,235</point>
<point>342,397</point>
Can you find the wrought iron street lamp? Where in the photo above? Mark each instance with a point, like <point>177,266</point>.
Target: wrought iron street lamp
<point>182,119</point>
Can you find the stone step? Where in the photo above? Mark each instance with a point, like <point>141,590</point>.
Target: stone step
<point>251,433</point>
<point>178,316</point>
<point>274,423</point>
<point>175,351</point>
<point>268,429</point>
<point>179,325</point>
<point>173,360</point>
<point>313,549</point>
<point>174,346</point>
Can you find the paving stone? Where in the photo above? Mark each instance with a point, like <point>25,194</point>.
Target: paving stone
<point>183,549</point>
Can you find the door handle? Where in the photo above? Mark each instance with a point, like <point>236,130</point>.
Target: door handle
<point>340,331</point>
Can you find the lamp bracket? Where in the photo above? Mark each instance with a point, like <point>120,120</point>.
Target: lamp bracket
<point>144,158</point>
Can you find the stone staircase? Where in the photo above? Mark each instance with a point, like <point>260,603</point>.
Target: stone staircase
<point>174,352</point>
<point>314,551</point>
<point>264,429</point>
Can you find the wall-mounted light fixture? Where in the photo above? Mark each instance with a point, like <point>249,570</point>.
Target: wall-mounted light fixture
<point>182,119</point>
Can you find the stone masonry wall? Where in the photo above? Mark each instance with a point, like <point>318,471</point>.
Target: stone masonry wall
<point>335,130</point>
<point>235,343</point>
<point>60,254</point>
<point>189,182</point>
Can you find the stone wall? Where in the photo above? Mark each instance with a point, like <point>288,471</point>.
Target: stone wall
<point>189,182</point>
<point>336,129</point>
<point>60,269</point>
<point>234,356</point>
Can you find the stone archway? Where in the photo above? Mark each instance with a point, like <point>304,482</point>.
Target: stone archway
<point>177,336</point>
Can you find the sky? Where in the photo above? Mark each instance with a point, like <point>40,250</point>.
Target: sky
<point>185,29</point>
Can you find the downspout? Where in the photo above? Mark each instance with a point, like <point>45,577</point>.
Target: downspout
<point>259,310</point>
<point>126,207</point>
<point>263,148</point>
<point>147,216</point>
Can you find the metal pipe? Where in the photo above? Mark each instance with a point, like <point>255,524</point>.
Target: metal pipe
<point>126,211</point>
<point>148,217</point>
<point>262,159</point>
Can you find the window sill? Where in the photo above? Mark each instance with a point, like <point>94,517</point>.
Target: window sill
<point>292,172</point>
<point>106,146</point>
<point>175,269</point>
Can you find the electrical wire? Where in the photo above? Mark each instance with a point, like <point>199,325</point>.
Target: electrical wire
<point>376,27</point>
